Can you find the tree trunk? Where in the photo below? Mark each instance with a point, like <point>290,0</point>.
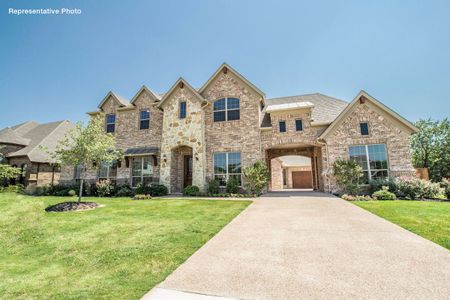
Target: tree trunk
<point>80,194</point>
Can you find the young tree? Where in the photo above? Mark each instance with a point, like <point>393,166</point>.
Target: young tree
<point>257,176</point>
<point>431,148</point>
<point>348,174</point>
<point>86,146</point>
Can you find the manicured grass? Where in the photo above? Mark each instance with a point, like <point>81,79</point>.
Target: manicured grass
<point>428,219</point>
<point>119,251</point>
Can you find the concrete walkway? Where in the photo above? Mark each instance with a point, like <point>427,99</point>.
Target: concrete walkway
<point>311,246</point>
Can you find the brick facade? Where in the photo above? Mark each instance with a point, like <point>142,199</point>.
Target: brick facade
<point>199,136</point>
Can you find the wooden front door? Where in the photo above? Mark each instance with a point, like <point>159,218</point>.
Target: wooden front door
<point>187,171</point>
<point>302,180</point>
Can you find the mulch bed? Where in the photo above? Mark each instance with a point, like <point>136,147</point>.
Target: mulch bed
<point>71,206</point>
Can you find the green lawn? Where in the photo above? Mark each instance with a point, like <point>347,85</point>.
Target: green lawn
<point>428,219</point>
<point>119,251</point>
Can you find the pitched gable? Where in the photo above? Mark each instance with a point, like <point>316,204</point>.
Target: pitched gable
<point>364,98</point>
<point>119,100</point>
<point>224,69</point>
<point>154,96</point>
<point>180,84</point>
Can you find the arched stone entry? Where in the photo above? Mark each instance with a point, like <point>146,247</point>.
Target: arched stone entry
<point>312,152</point>
<point>181,168</point>
<point>291,172</point>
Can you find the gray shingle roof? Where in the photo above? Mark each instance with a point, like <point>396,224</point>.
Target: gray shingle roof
<point>325,110</point>
<point>9,136</point>
<point>45,135</point>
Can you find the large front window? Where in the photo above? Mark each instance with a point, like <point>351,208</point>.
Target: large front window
<point>141,170</point>
<point>372,159</point>
<point>226,109</point>
<point>107,170</point>
<point>227,165</point>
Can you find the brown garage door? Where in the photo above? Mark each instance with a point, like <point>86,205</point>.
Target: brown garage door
<point>302,180</point>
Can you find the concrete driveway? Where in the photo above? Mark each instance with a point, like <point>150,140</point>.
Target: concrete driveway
<point>313,246</point>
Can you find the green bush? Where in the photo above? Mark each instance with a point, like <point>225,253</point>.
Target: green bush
<point>348,174</point>
<point>213,187</point>
<point>377,184</point>
<point>18,188</point>
<point>104,188</point>
<point>445,185</point>
<point>257,176</point>
<point>191,190</point>
<point>384,194</point>
<point>72,193</point>
<point>142,197</point>
<point>153,190</point>
<point>124,191</point>
<point>415,188</point>
<point>36,190</point>
<point>232,185</point>
<point>356,198</point>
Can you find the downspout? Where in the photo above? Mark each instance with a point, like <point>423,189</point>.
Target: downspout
<point>328,164</point>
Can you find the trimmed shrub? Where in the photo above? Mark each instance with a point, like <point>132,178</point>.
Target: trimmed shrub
<point>104,188</point>
<point>257,176</point>
<point>348,174</point>
<point>445,185</point>
<point>232,185</point>
<point>124,191</point>
<point>213,187</point>
<point>191,190</point>
<point>36,190</point>
<point>356,198</point>
<point>18,188</point>
<point>72,193</point>
<point>391,183</point>
<point>384,194</point>
<point>158,190</point>
<point>415,188</point>
<point>142,197</point>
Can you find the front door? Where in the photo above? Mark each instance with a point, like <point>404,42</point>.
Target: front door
<point>187,170</point>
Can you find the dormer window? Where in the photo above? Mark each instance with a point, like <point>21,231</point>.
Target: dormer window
<point>364,128</point>
<point>182,113</point>
<point>110,123</point>
<point>226,109</point>
<point>144,119</point>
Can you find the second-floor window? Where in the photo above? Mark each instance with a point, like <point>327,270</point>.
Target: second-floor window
<point>144,119</point>
<point>299,125</point>
<point>282,125</point>
<point>182,113</point>
<point>226,109</point>
<point>110,123</point>
<point>364,127</point>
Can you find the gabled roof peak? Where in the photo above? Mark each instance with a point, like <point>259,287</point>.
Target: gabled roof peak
<point>181,82</point>
<point>122,101</point>
<point>156,96</point>
<point>225,68</point>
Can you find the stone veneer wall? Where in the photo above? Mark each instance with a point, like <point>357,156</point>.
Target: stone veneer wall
<point>182,132</point>
<point>382,130</point>
<point>241,135</point>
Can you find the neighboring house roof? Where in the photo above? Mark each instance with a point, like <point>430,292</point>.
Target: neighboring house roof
<point>9,136</point>
<point>119,99</point>
<point>43,138</point>
<point>177,83</point>
<point>325,109</point>
<point>144,88</point>
<point>229,68</point>
<point>24,127</point>
<point>362,95</point>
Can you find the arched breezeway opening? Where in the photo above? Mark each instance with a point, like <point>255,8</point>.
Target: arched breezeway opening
<point>295,167</point>
<point>291,172</point>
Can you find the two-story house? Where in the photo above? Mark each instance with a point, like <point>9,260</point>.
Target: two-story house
<point>188,136</point>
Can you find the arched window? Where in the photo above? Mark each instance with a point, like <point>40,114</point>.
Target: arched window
<point>226,109</point>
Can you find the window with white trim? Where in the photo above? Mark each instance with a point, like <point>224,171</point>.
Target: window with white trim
<point>227,165</point>
<point>141,170</point>
<point>107,170</point>
<point>372,159</point>
<point>226,109</point>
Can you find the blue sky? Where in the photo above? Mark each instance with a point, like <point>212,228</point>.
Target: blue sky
<point>59,67</point>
